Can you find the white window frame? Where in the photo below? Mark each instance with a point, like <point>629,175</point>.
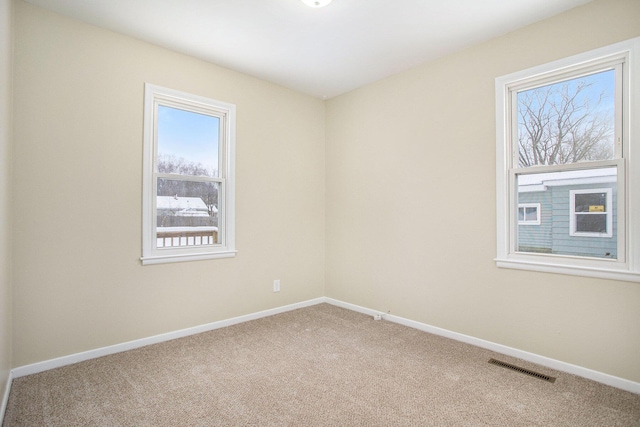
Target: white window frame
<point>573,213</point>
<point>627,265</point>
<point>525,206</point>
<point>151,254</point>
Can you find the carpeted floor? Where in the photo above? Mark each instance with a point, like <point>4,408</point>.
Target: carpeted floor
<point>317,366</point>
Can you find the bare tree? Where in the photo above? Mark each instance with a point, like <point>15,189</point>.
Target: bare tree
<point>178,165</point>
<point>561,123</point>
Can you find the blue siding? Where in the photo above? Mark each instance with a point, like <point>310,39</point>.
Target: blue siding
<point>552,235</point>
<point>536,238</point>
<point>563,243</point>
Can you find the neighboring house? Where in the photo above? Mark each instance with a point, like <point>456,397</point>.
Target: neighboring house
<point>568,213</point>
<point>174,211</point>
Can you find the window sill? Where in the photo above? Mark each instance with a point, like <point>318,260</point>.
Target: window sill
<point>165,259</point>
<point>601,273</point>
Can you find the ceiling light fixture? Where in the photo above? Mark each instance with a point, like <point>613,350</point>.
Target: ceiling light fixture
<point>316,3</point>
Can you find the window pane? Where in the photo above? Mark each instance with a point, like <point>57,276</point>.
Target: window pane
<point>187,213</point>
<point>591,202</point>
<point>596,223</point>
<point>559,226</point>
<point>188,142</point>
<point>567,122</point>
<point>520,214</point>
<point>531,214</point>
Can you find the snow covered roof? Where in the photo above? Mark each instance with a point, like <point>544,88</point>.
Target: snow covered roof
<point>185,206</point>
<point>540,181</point>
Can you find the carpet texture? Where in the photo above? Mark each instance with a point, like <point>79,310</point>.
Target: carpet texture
<point>317,366</point>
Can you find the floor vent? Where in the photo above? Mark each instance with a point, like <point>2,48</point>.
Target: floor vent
<point>523,370</point>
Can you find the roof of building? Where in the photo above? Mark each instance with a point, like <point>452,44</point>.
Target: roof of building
<point>184,206</point>
<point>540,181</point>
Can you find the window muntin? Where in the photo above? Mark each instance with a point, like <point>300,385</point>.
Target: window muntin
<point>188,187</point>
<point>623,261</point>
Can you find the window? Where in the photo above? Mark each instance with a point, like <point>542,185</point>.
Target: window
<point>591,213</point>
<point>529,214</point>
<point>564,164</point>
<point>188,188</point>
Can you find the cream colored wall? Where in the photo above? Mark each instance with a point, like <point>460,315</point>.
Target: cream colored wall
<point>403,232</point>
<point>78,280</point>
<point>411,204</point>
<point>6,40</point>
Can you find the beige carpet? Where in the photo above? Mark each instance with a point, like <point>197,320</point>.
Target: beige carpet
<point>318,366</point>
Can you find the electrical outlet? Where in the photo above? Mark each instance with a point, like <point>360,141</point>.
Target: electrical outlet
<point>276,285</point>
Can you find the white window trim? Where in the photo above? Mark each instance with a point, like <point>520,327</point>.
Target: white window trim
<point>573,213</point>
<point>530,205</point>
<point>226,197</point>
<point>625,268</point>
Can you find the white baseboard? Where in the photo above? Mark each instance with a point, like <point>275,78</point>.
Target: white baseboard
<point>5,398</point>
<point>580,371</point>
<point>130,345</point>
<point>600,377</point>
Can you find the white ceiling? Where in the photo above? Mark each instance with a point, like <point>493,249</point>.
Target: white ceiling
<point>319,51</point>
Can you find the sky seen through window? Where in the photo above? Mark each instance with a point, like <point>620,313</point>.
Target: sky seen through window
<point>189,135</point>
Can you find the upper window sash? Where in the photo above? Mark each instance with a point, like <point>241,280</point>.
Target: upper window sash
<point>613,63</point>
<point>211,110</point>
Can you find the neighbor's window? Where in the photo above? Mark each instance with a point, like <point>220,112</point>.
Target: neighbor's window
<point>591,213</point>
<point>563,148</point>
<point>188,177</point>
<point>529,214</point>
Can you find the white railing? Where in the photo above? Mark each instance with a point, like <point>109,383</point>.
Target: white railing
<point>170,237</point>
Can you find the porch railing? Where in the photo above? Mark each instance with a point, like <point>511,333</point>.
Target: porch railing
<point>171,237</point>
